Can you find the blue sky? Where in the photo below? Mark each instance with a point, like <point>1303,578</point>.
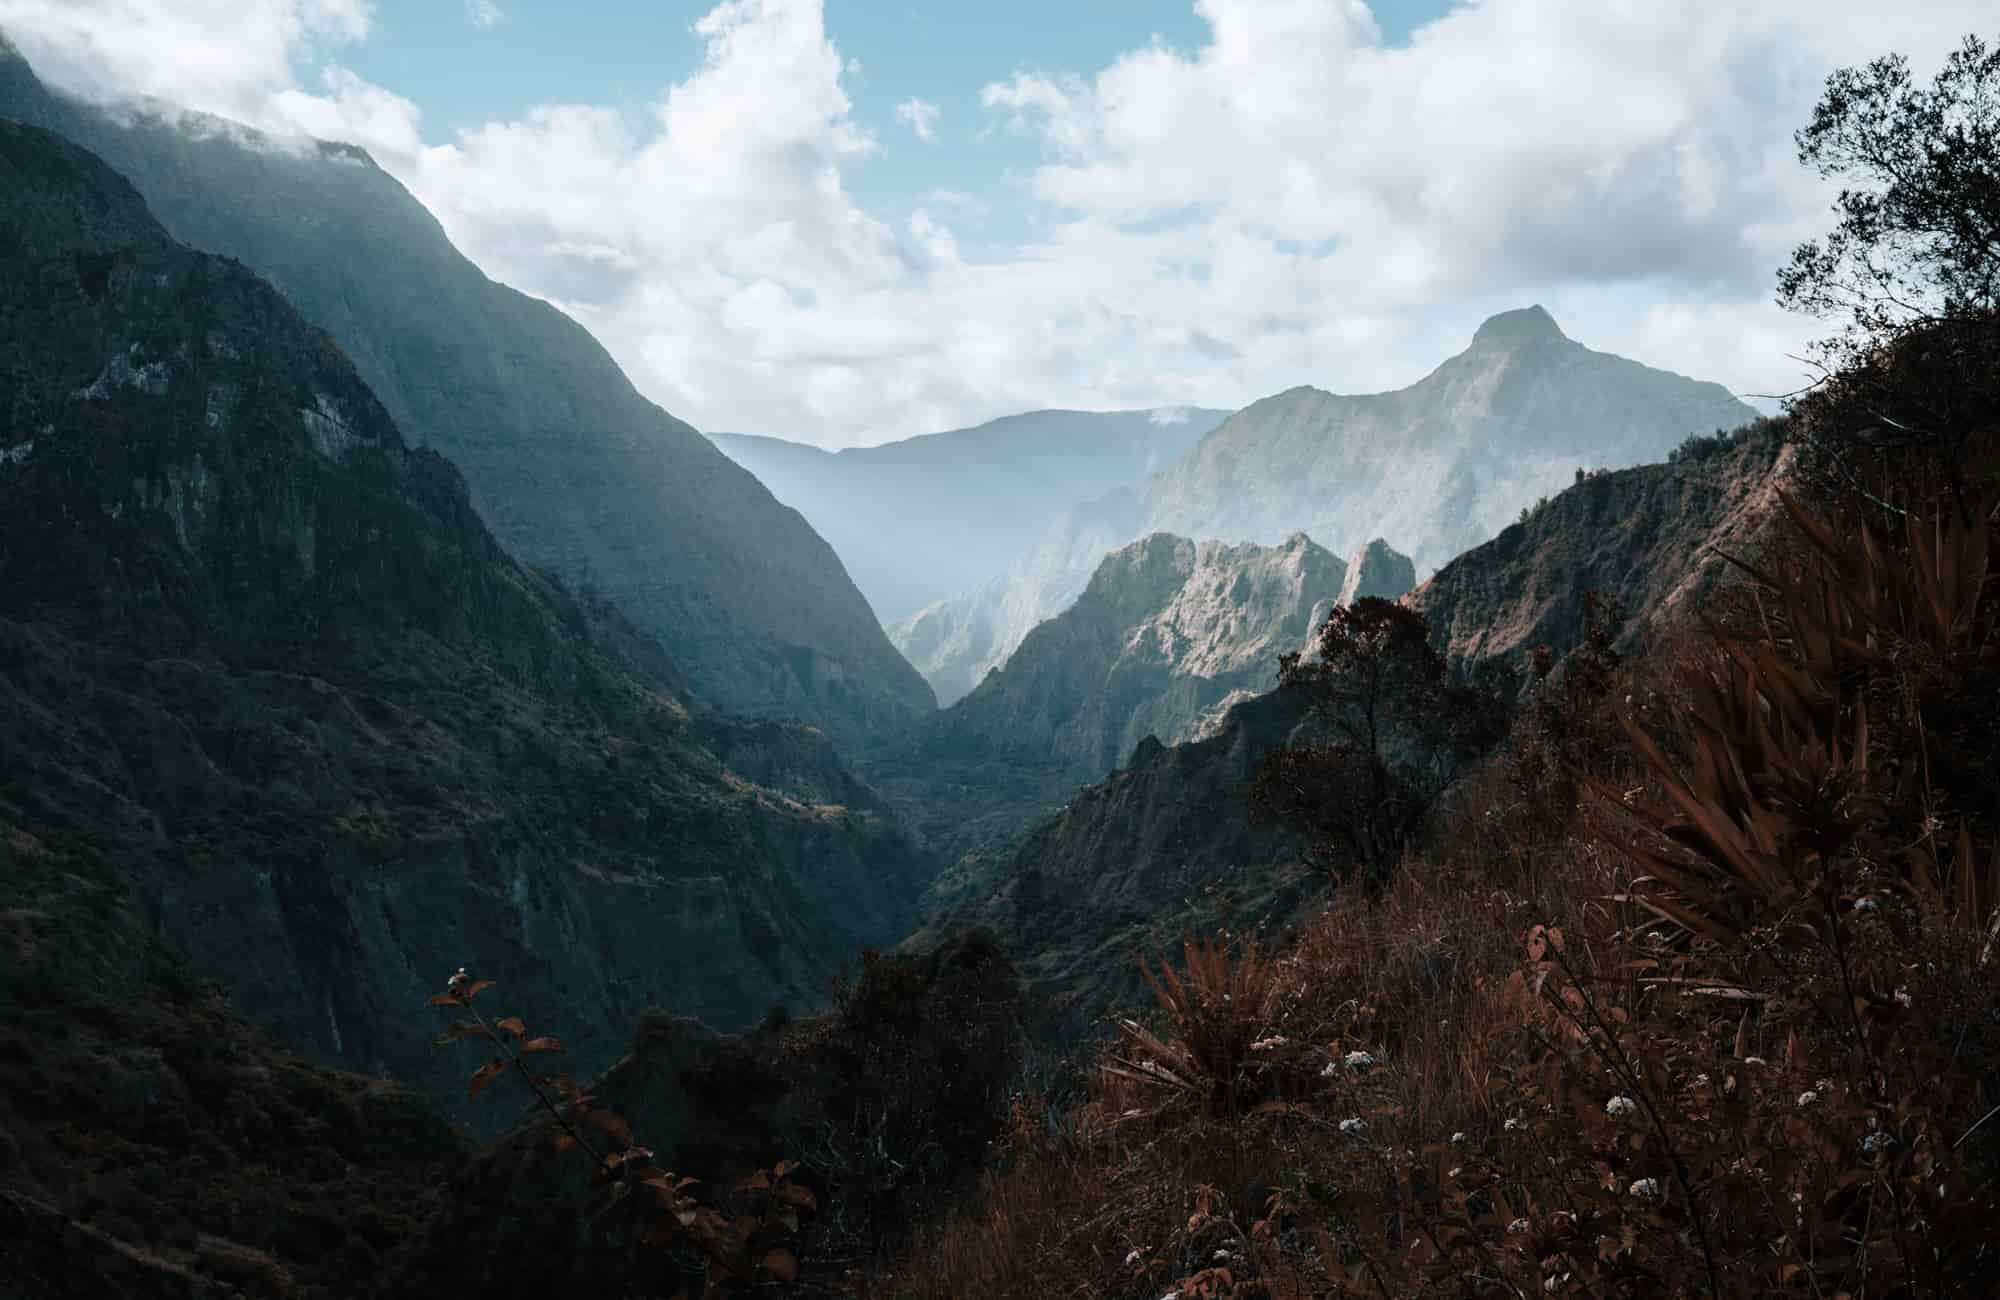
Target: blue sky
<point>844,221</point>
<point>462,72</point>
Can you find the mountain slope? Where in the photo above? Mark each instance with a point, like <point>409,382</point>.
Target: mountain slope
<point>957,641</point>
<point>1444,464</point>
<point>1161,847</point>
<point>921,518</point>
<point>1651,537</point>
<point>1167,638</point>
<point>1167,843</point>
<point>1439,467</point>
<point>265,672</point>
<point>572,469</point>
<point>1166,630</point>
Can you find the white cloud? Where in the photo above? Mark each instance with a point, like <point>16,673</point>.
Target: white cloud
<point>217,56</point>
<point>921,116</point>
<point>1290,202</point>
<point>483,13</point>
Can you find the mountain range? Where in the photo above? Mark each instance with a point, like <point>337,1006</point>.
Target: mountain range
<point>570,466</point>
<point>1167,844</point>
<point>266,674</point>
<point>919,519</point>
<point>1436,468</point>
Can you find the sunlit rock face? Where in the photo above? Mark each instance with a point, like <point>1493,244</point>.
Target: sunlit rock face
<point>1167,630</point>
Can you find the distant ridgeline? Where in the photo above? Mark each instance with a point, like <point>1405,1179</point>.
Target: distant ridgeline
<point>917,520</point>
<point>1436,468</point>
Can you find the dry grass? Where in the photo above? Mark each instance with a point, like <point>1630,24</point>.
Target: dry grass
<point>1718,1017</point>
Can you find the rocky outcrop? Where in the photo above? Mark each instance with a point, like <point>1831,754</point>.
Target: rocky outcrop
<point>571,468</point>
<point>1379,570</point>
<point>1440,467</point>
<point>957,641</point>
<point>1167,629</point>
<point>264,671</point>
<point>1653,538</point>
<point>1169,635</point>
<point>916,520</point>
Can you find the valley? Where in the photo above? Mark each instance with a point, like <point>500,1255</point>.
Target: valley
<point>952,865</point>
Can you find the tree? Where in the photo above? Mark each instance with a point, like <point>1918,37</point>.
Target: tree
<point>1913,266</point>
<point>1393,728</point>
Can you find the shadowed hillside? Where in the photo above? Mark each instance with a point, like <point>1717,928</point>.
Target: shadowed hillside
<point>573,470</point>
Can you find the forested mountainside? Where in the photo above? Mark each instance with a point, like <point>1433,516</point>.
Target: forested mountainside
<point>570,466</point>
<point>921,518</point>
<point>269,682</point>
<point>1436,468</point>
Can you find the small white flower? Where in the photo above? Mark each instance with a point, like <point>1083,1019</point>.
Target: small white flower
<point>1903,996</point>
<point>1807,1098</point>
<point>1648,1187</point>
<point>1358,1060</point>
<point>1133,1258</point>
<point>1354,1127</point>
<point>1457,1139</point>
<point>1865,904</point>
<point>1619,1107</point>
<point>1753,1060</point>
<point>1330,1070</point>
<point>1518,1226</point>
<point>1511,1125</point>
<point>1876,1141</point>
<point>1701,1081</point>
<point>1221,1257</point>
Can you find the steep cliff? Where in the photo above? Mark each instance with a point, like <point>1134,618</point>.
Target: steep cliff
<point>1652,537</point>
<point>957,641</point>
<point>264,668</point>
<point>1439,467</point>
<point>571,468</point>
<point>921,518</point>
<point>1167,629</point>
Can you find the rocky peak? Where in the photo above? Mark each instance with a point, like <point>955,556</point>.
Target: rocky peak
<point>1168,631</point>
<point>1519,328</point>
<point>1377,569</point>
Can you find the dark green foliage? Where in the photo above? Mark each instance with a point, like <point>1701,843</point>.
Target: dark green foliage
<point>1919,232</point>
<point>1396,727</point>
<point>923,1050</point>
<point>1911,271</point>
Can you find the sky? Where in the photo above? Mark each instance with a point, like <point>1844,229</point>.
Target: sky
<point>847,221</point>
